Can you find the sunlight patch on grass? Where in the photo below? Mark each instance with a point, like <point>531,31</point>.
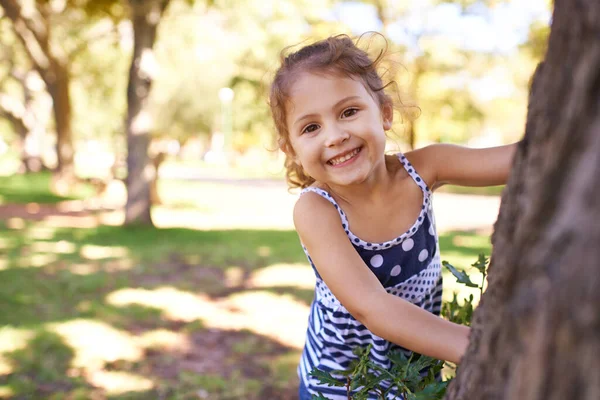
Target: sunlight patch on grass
<point>5,366</point>
<point>117,382</point>
<point>163,339</point>
<point>5,243</point>
<point>264,251</point>
<point>120,264</point>
<point>285,321</point>
<point>89,268</point>
<point>15,223</point>
<point>92,252</point>
<point>6,392</point>
<point>234,277</point>
<point>192,259</point>
<point>3,264</point>
<point>176,304</point>
<point>84,268</point>
<point>37,260</point>
<point>60,247</point>
<point>41,232</point>
<point>276,275</point>
<point>96,343</point>
<point>12,339</point>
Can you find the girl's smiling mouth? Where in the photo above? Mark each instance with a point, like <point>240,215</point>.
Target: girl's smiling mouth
<point>344,158</point>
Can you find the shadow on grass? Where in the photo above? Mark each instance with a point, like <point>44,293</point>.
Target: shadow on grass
<point>120,289</point>
<point>180,313</point>
<point>219,364</point>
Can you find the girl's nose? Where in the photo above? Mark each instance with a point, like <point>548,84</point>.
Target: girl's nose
<point>336,136</point>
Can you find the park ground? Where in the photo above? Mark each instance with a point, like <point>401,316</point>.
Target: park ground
<point>211,305</point>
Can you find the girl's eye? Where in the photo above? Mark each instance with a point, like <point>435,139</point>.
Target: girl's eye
<point>310,128</point>
<point>349,112</point>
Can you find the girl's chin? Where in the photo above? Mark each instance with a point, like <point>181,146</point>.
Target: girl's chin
<point>352,178</point>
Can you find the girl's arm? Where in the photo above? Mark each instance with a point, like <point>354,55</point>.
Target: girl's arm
<point>360,292</point>
<point>458,165</point>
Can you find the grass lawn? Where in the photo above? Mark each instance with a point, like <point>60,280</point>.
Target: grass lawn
<point>140,313</point>
<point>35,188</point>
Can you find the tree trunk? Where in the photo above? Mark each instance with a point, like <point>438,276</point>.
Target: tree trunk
<point>536,332</point>
<point>145,17</point>
<point>57,81</point>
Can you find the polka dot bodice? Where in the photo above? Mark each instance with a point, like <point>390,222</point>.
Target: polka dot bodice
<point>407,266</point>
<point>403,265</point>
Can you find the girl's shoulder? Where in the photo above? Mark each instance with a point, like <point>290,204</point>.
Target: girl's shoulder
<point>313,213</point>
<point>313,200</point>
<point>423,161</point>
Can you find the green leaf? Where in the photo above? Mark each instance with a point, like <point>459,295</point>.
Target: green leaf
<point>482,263</point>
<point>372,382</point>
<point>325,378</point>
<point>398,358</point>
<point>433,391</point>
<point>319,397</point>
<point>461,276</point>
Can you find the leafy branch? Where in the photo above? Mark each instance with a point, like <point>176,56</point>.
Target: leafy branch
<point>415,377</point>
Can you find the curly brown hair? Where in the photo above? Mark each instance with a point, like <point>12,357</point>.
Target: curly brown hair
<point>338,56</point>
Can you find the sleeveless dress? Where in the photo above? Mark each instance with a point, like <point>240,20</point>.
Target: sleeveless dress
<point>407,266</point>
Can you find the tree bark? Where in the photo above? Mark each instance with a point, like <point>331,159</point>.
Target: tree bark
<point>536,332</point>
<point>58,82</point>
<point>145,17</point>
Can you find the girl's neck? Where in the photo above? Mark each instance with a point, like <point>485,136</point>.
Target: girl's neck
<point>373,190</point>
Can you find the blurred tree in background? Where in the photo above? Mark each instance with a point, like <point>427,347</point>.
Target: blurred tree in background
<point>52,33</point>
<point>19,88</point>
<point>141,174</point>
<point>463,91</point>
<point>451,81</point>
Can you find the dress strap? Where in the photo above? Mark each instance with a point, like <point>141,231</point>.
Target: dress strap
<point>414,174</point>
<point>329,198</point>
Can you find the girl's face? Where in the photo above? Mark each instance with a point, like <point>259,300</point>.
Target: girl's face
<point>336,128</point>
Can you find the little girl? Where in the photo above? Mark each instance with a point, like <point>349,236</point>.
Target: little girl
<point>365,218</point>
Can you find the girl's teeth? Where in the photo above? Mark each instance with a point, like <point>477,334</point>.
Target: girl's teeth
<point>348,156</point>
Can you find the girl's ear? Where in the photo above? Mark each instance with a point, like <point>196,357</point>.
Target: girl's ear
<point>387,114</point>
<point>287,149</point>
<point>284,145</point>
